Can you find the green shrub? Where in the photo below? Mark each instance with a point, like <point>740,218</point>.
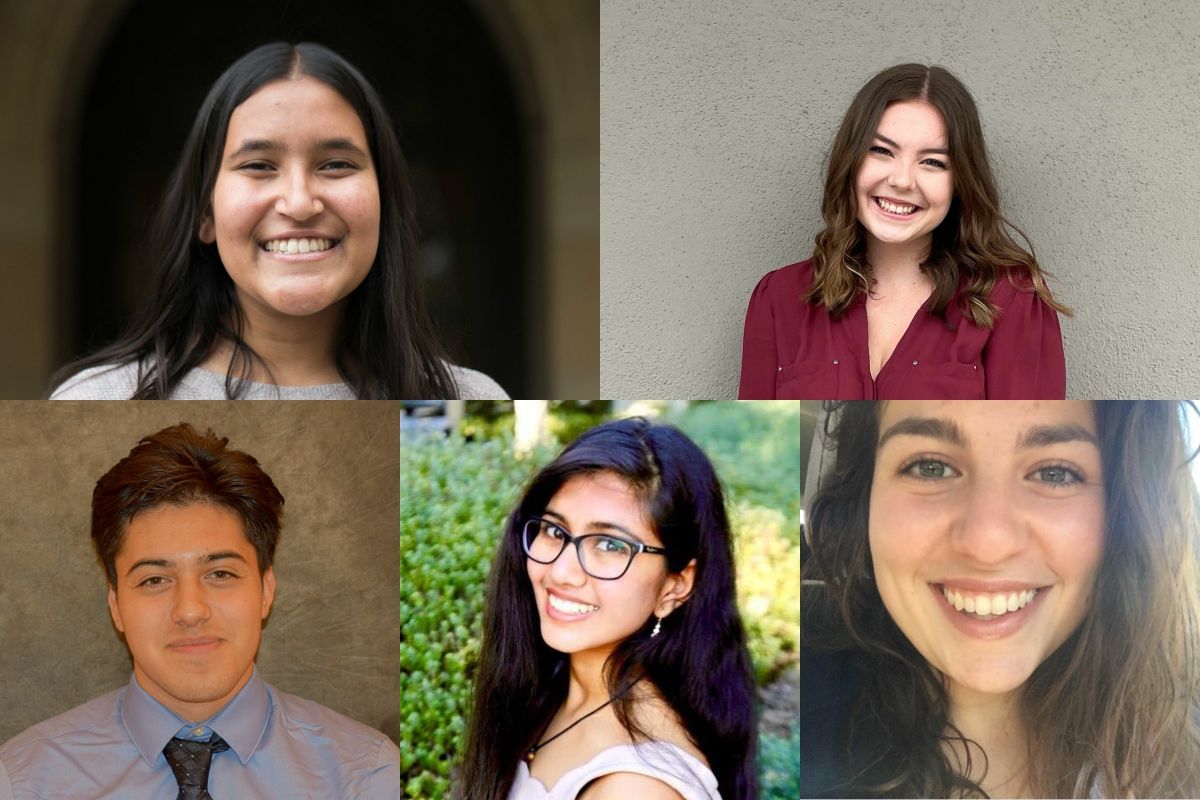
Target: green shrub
<point>454,498</point>
<point>768,588</point>
<point>779,765</point>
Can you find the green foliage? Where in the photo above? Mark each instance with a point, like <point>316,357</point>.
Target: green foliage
<point>454,499</point>
<point>755,447</point>
<point>779,765</point>
<point>768,588</point>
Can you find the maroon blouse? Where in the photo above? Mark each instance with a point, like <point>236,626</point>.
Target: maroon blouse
<point>794,349</point>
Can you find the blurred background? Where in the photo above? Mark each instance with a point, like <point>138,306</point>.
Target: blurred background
<point>462,468</point>
<point>496,101</point>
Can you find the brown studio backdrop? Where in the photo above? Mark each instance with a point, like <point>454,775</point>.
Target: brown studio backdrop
<point>334,632</point>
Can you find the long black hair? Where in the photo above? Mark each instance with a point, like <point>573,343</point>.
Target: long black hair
<point>699,663</point>
<point>386,348</point>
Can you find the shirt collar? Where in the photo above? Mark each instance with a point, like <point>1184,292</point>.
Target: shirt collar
<point>242,722</point>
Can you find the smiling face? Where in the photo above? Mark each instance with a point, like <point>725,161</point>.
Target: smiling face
<point>904,186</point>
<point>190,602</point>
<point>581,614</point>
<point>987,499</point>
<point>295,209</point>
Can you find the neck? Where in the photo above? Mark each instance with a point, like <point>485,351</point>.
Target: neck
<point>295,351</point>
<point>994,722</point>
<point>893,262</point>
<point>586,687</point>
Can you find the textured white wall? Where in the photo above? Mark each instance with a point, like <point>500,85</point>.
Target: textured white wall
<point>717,116</point>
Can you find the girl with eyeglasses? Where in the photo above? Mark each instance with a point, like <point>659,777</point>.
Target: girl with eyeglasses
<point>283,256</point>
<point>614,661</point>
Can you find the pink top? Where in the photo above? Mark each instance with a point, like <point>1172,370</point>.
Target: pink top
<point>668,762</point>
<point>792,349</point>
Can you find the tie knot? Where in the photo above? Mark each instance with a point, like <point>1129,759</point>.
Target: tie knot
<point>190,761</point>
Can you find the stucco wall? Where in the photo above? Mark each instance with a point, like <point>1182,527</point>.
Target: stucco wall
<point>716,119</point>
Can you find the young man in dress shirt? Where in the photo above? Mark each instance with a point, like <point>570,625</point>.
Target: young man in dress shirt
<point>186,530</point>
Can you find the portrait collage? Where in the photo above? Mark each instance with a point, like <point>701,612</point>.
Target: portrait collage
<point>599,400</point>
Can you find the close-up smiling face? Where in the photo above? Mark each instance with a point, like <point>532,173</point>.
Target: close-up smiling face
<point>987,531</point>
<point>191,602</point>
<point>295,210</point>
<point>579,612</point>
<point>904,185</point>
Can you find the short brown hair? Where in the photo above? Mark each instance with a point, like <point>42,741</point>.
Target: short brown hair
<point>181,466</point>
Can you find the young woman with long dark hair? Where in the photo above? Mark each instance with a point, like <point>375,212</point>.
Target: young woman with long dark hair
<point>1002,600</point>
<point>614,661</point>
<point>283,255</point>
<point>916,287</point>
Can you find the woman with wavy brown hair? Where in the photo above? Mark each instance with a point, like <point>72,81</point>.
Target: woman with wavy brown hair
<point>1002,600</point>
<point>916,287</point>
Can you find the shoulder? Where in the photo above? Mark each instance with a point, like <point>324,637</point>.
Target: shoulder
<point>474,385</point>
<point>105,382</point>
<point>623,785</point>
<point>95,723</point>
<point>323,727</point>
<point>789,280</point>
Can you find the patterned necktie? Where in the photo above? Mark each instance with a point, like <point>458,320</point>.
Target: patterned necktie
<point>190,762</point>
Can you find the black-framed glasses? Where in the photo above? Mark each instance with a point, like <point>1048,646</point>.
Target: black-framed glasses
<point>602,555</point>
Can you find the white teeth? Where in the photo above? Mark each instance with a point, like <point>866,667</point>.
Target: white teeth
<point>571,607</point>
<point>297,245</point>
<point>989,606</point>
<point>893,208</point>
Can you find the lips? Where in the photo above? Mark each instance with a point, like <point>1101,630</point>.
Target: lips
<point>563,608</point>
<point>201,644</point>
<point>895,208</point>
<point>995,627</point>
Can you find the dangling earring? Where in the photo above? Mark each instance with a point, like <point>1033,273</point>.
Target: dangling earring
<point>657,627</point>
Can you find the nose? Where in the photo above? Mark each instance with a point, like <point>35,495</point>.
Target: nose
<point>566,569</point>
<point>901,175</point>
<point>297,199</point>
<point>191,606</point>
<point>990,529</point>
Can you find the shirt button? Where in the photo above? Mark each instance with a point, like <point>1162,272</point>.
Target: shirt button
<point>780,369</point>
<point>835,361</point>
<point>197,731</point>
<point>914,363</point>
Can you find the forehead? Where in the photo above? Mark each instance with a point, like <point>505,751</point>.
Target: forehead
<point>598,498</point>
<point>294,111</point>
<point>175,532</point>
<point>991,422</point>
<point>913,123</point>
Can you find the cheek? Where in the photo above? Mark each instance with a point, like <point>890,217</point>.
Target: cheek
<point>235,212</point>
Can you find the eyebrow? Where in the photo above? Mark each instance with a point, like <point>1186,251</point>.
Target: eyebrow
<point>940,150</point>
<point>603,526</point>
<point>208,558</point>
<point>947,431</point>
<point>338,143</point>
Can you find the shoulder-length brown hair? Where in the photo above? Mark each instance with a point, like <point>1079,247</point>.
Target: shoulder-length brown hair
<point>973,241</point>
<point>1114,707</point>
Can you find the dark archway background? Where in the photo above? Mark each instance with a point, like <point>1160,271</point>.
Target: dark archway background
<point>447,88</point>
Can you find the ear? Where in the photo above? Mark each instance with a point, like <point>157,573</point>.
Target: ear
<point>113,609</point>
<point>676,589</point>
<point>268,582</point>
<point>208,230</point>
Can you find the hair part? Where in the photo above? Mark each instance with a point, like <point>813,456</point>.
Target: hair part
<point>387,347</point>
<point>180,466</point>
<point>699,664</point>
<point>1114,706</point>
<point>974,246</point>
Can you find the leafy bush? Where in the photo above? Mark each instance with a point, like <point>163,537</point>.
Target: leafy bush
<point>453,502</point>
<point>779,765</point>
<point>768,587</point>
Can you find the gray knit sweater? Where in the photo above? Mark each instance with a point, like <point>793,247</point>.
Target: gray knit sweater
<point>119,382</point>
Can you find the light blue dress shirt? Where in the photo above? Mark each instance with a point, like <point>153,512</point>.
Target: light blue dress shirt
<point>280,746</point>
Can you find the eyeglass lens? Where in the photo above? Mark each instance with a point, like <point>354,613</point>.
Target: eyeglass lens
<point>601,556</point>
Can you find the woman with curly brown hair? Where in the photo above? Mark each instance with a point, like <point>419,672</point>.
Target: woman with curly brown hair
<point>916,288</point>
<point>1002,600</point>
